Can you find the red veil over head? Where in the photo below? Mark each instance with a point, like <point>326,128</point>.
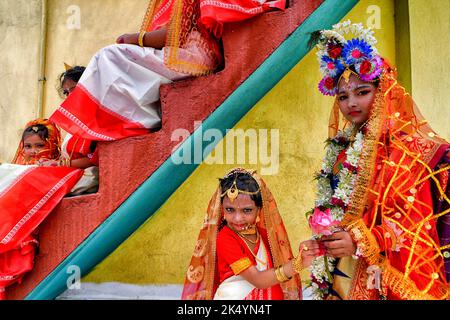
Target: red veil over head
<point>52,148</point>
<point>391,215</point>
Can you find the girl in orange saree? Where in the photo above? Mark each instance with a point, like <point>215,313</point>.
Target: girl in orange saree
<point>382,187</point>
<point>28,193</point>
<point>243,251</point>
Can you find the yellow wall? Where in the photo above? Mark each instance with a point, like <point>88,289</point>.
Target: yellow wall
<point>160,250</point>
<point>430,51</point>
<point>101,22</point>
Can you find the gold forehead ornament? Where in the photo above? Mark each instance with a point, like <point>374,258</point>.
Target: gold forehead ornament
<point>233,192</point>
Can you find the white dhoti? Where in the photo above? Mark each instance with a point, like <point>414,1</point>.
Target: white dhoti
<point>117,95</point>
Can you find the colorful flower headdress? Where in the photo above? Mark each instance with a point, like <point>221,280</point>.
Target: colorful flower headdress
<point>340,57</point>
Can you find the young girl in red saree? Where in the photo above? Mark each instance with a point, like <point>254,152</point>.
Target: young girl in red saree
<point>243,251</point>
<point>28,193</point>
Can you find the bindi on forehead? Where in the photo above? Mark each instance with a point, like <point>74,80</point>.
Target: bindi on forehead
<point>349,87</point>
<point>244,207</point>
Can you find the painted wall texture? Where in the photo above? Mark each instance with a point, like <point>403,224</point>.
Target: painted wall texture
<point>430,49</point>
<point>19,47</point>
<point>299,113</point>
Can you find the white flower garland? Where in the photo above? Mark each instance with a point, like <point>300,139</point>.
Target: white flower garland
<point>343,192</point>
<point>358,30</point>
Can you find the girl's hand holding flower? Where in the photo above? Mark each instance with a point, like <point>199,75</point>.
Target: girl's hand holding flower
<point>309,250</point>
<point>339,244</point>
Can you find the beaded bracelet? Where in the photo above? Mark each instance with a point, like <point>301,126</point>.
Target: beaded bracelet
<point>297,263</point>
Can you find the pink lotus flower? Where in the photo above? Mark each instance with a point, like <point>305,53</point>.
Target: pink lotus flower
<point>322,222</point>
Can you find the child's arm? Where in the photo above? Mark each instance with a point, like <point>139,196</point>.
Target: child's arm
<point>154,39</point>
<point>267,278</point>
<point>81,163</point>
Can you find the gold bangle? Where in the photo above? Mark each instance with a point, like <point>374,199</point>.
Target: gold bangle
<point>297,263</point>
<point>284,274</point>
<point>281,276</point>
<point>141,38</point>
<point>64,162</point>
<point>365,241</point>
<point>278,275</point>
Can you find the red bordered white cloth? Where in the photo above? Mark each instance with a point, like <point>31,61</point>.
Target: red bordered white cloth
<point>28,194</point>
<point>117,95</point>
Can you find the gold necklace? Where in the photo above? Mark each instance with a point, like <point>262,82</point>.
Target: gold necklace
<point>244,237</point>
<point>250,249</point>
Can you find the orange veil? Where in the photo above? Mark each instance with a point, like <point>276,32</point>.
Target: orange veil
<point>202,277</point>
<point>391,215</point>
<point>181,19</point>
<point>53,143</point>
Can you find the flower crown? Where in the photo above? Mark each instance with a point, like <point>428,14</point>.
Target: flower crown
<point>336,55</point>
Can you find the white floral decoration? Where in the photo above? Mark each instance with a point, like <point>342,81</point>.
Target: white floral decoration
<point>338,32</point>
<point>347,178</point>
<point>357,30</point>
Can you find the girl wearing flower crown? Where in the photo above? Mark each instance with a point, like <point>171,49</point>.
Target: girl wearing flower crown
<point>383,191</point>
<point>243,251</point>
